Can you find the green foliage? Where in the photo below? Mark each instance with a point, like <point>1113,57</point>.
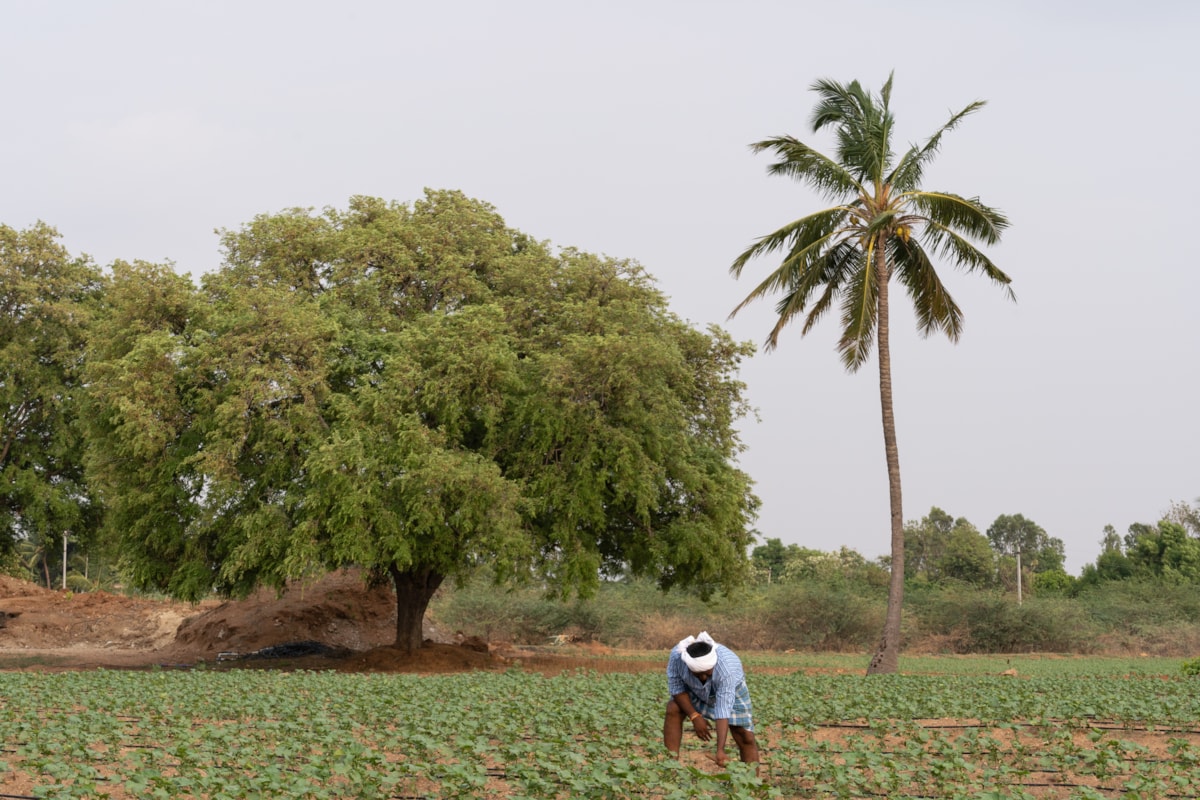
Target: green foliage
<point>775,563</point>
<point>321,736</point>
<point>417,389</point>
<point>1186,515</point>
<point>939,548</point>
<point>1111,565</point>
<point>46,296</point>
<point>809,615</point>
<point>13,565</point>
<point>966,558</point>
<point>1053,583</point>
<point>1163,553</point>
<point>1013,533</point>
<point>836,614</point>
<point>529,616</point>
<point>1191,668</point>
<point>983,622</point>
<point>770,559</point>
<point>819,616</point>
<point>1134,605</point>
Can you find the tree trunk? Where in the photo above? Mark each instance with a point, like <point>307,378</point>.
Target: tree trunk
<point>414,589</point>
<point>887,655</point>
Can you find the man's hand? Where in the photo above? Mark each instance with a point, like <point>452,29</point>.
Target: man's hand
<point>720,758</point>
<point>701,726</point>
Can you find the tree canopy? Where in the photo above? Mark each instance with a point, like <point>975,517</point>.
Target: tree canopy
<point>416,389</point>
<point>45,298</point>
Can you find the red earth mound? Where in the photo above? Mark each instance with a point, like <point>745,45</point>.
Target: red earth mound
<point>339,611</point>
<point>45,629</point>
<point>35,618</point>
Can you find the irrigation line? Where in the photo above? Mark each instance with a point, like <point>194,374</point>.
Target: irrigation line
<point>987,726</point>
<point>1114,791</point>
<point>1137,760</point>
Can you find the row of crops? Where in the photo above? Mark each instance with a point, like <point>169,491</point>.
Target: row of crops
<point>263,734</point>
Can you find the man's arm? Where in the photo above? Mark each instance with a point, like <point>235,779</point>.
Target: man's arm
<point>684,701</point>
<point>722,734</point>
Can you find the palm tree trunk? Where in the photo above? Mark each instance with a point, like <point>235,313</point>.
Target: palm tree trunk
<point>887,654</point>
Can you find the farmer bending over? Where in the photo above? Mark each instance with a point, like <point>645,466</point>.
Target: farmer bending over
<point>707,682</point>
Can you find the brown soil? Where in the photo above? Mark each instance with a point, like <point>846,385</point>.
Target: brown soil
<point>45,629</point>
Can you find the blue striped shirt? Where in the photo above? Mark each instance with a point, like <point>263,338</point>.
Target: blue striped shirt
<point>720,689</point>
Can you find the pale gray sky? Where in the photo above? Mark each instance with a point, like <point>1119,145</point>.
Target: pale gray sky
<point>137,128</point>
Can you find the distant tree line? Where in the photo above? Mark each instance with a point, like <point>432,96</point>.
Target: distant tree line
<point>942,550</point>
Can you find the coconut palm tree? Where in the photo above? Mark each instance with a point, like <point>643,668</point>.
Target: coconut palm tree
<point>884,225</point>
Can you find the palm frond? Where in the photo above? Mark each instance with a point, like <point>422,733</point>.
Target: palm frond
<point>966,215</point>
<point>863,127</point>
<point>840,264</point>
<point>797,278</point>
<point>789,306</point>
<point>908,170</point>
<point>839,104</point>
<point>829,269</point>
<point>911,168</point>
<point>860,312</point>
<point>832,271</point>
<point>801,162</point>
<point>797,236</point>
<point>934,141</point>
<point>886,91</point>
<point>935,308</point>
<point>965,255</point>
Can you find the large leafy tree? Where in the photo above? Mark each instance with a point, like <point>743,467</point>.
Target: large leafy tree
<point>418,390</point>
<point>45,299</point>
<point>884,224</point>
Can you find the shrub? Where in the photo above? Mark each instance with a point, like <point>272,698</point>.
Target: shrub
<point>818,616</point>
<point>1053,583</point>
<point>979,622</point>
<point>838,616</point>
<point>615,616</point>
<point>1137,604</point>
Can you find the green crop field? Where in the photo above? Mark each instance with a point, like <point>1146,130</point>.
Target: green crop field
<point>1119,732</point>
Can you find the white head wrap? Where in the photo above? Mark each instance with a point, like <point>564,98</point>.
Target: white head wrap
<point>703,663</point>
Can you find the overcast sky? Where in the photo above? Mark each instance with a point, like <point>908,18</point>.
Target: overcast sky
<point>137,128</point>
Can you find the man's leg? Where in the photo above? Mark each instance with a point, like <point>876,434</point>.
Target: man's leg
<point>747,744</point>
<point>673,727</point>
